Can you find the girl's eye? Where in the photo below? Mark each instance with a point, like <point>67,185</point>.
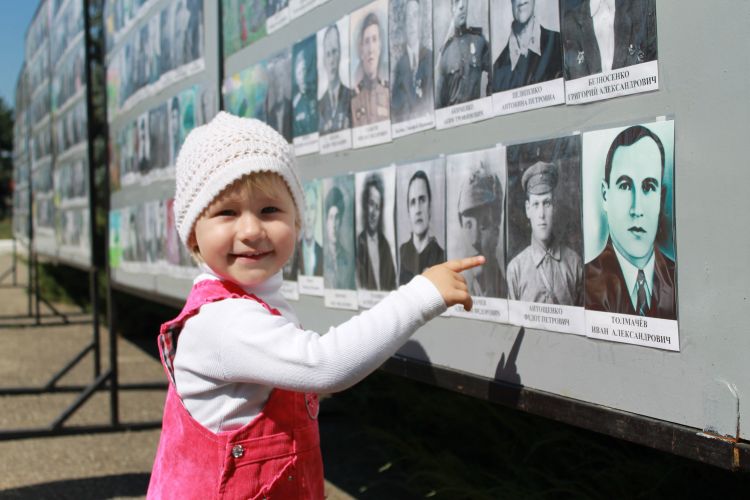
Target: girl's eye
<point>225,213</point>
<point>270,210</point>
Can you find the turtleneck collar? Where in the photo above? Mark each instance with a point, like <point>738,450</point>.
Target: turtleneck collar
<point>269,291</point>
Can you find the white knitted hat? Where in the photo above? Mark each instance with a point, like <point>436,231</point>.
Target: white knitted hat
<point>217,154</point>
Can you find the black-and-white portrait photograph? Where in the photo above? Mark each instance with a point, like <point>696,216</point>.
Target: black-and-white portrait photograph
<point>526,51</point>
<point>412,82</point>
<point>376,235</point>
<point>304,96</point>
<point>463,65</point>
<point>545,236</point>
<point>142,144</point>
<point>277,106</point>
<point>290,271</point>
<point>475,220</point>
<point>158,122</point>
<point>334,87</point>
<point>371,102</point>
<point>338,242</point>
<point>420,212</point>
<point>601,37</point>
<point>630,255</point>
<point>310,246</point>
<point>278,14</point>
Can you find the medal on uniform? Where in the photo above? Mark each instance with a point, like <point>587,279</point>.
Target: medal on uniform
<point>473,52</point>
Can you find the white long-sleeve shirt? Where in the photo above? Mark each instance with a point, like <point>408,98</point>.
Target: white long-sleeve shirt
<point>234,352</point>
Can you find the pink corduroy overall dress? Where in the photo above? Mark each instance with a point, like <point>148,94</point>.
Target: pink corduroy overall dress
<point>275,456</point>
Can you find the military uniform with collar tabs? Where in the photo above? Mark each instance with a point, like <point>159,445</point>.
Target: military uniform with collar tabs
<point>550,274</point>
<point>371,104</point>
<point>463,58</point>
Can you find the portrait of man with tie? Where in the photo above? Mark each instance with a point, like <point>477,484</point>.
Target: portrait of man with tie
<point>334,107</point>
<point>603,35</point>
<point>547,270</point>
<point>411,76</point>
<point>634,274</point>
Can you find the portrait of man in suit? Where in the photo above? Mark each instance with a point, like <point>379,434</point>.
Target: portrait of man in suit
<point>602,35</point>
<point>278,102</point>
<point>304,89</point>
<point>533,52</point>
<point>334,108</point>
<point>412,87</point>
<point>375,268</point>
<point>632,275</point>
<point>310,253</point>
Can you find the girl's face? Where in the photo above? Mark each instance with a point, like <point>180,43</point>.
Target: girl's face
<point>247,235</point>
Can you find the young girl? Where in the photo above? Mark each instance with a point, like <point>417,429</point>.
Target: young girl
<point>240,419</point>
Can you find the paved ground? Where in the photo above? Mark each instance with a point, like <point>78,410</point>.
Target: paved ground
<point>86,466</point>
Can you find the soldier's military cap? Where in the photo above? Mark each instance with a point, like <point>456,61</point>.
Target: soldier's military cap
<point>540,178</point>
<point>481,188</point>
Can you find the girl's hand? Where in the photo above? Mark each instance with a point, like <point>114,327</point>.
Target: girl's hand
<point>449,282</point>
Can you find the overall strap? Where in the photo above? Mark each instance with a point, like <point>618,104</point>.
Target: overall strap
<point>203,292</point>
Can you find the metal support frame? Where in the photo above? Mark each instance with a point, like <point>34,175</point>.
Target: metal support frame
<point>108,379</point>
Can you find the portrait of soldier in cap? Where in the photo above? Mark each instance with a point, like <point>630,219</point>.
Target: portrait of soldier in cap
<point>463,61</point>
<point>632,274</point>
<point>371,102</point>
<point>546,271</point>
<point>480,216</point>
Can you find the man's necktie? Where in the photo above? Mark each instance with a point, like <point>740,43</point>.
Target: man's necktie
<point>641,304</point>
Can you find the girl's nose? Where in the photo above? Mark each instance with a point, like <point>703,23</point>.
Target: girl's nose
<point>250,227</point>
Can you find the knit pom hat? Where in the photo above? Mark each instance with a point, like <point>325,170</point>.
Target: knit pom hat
<point>224,150</point>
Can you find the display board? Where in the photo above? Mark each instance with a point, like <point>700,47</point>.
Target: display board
<point>162,81</point>
<point>70,115</point>
<point>52,134</point>
<point>569,158</point>
<point>40,125</point>
<point>21,161</point>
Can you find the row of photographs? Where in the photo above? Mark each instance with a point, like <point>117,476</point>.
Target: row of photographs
<point>156,54</point>
<point>66,26</point>
<point>577,230</point>
<point>38,70</point>
<point>145,150</point>
<point>396,67</point>
<point>247,21</point>
<point>69,77</point>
